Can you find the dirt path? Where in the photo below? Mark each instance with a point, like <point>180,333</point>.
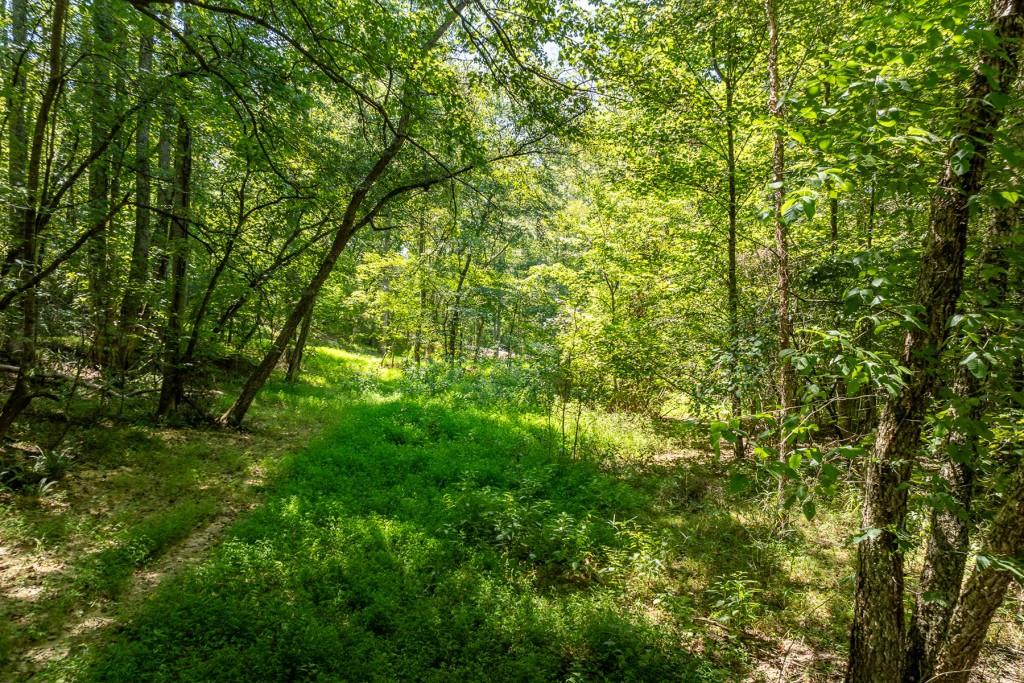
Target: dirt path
<point>91,624</point>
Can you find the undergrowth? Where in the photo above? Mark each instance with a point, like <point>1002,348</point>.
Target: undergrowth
<point>436,529</point>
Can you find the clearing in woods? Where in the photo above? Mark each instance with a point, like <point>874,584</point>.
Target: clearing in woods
<point>433,528</point>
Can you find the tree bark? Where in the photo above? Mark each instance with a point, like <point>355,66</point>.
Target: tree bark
<point>164,193</point>
<point>833,200</point>
<point>453,331</point>
<point>942,573</point>
<point>949,531</point>
<point>877,635</point>
<point>100,104</point>
<point>17,134</point>
<point>295,361</point>
<point>138,269</point>
<point>22,393</point>
<point>172,384</point>
<point>787,380</point>
<point>985,590</point>
<point>733,287</point>
<point>421,242</point>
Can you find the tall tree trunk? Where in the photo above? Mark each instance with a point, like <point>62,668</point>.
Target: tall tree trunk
<point>877,637</point>
<point>872,206</point>
<point>453,331</point>
<point>733,286</point>
<point>943,570</point>
<point>985,590</point>
<point>17,133</point>
<point>100,105</point>
<point>164,193</point>
<point>295,361</point>
<point>236,413</point>
<point>172,384</point>
<point>22,393</point>
<point>421,240</point>
<point>949,531</point>
<point>833,200</point>
<point>787,380</point>
<point>497,334</point>
<point>138,269</point>
<point>478,339</point>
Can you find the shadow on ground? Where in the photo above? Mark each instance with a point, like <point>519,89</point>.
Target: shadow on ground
<point>428,539</point>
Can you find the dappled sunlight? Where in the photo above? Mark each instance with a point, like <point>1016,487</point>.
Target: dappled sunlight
<point>439,538</point>
<point>514,340</point>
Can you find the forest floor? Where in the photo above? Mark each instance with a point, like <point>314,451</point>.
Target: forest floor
<point>375,526</point>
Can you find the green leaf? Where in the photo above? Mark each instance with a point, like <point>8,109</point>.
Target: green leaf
<point>866,535</point>
<point>809,509</point>
<point>997,100</point>
<point>794,460</point>
<point>829,474</point>
<point>809,207</point>
<point>975,365</point>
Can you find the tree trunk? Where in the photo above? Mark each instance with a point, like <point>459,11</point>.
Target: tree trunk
<point>420,249</point>
<point>100,104</point>
<point>17,134</point>
<point>22,393</point>
<point>453,331</point>
<point>295,362</point>
<point>787,383</point>
<point>949,531</point>
<point>172,384</point>
<point>985,590</point>
<point>138,269</point>
<point>164,193</point>
<point>833,200</point>
<point>872,206</point>
<point>877,638</point>
<point>734,296</point>
<point>942,573</point>
<point>479,339</point>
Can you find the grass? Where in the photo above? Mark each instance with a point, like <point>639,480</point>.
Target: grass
<point>434,529</point>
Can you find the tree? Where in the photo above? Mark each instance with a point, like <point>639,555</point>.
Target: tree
<point>878,603</point>
<point>30,220</point>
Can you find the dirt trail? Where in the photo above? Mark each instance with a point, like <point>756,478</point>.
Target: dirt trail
<point>90,624</point>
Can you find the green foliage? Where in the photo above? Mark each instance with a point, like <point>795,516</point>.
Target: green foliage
<point>425,535</point>
<point>585,247</point>
<point>736,600</point>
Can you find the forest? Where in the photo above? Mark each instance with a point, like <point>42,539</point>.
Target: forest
<point>512,340</point>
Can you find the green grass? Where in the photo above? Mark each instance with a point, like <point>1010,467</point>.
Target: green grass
<point>435,531</point>
<point>133,491</point>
